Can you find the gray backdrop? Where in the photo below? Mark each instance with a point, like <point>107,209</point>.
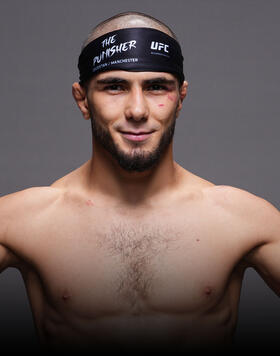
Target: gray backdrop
<point>228,131</point>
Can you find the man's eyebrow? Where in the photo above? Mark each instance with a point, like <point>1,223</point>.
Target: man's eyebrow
<point>118,80</point>
<point>160,80</point>
<point>111,80</point>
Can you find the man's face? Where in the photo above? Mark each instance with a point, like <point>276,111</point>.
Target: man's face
<point>123,105</point>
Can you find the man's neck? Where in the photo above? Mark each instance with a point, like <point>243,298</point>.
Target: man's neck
<point>132,188</point>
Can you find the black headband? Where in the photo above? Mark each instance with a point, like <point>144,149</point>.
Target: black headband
<point>137,49</point>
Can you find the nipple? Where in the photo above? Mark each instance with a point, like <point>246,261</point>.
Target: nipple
<point>208,291</point>
<point>66,295</point>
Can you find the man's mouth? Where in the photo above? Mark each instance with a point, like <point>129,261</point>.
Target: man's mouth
<point>137,136</point>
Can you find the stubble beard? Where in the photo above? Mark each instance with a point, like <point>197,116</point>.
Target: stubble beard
<point>139,160</point>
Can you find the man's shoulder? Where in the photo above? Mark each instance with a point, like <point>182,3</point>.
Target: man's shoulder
<point>237,199</point>
<point>253,211</point>
<point>20,208</point>
<point>28,200</point>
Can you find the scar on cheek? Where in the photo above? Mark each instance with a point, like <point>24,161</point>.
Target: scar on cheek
<point>160,104</point>
<point>171,97</point>
<point>89,203</point>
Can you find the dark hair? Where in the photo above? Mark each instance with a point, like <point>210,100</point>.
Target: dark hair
<point>152,19</point>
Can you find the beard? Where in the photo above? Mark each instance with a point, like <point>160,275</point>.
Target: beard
<point>138,160</point>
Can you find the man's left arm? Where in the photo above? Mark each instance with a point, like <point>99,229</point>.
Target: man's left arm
<point>265,257</point>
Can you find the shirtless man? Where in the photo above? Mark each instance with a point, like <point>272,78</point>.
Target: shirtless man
<point>131,251</point>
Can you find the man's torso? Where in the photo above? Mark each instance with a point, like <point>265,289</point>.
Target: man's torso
<point>107,275</point>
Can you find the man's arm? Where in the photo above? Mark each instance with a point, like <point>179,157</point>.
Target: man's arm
<point>7,257</point>
<point>261,223</point>
<point>265,258</point>
<point>17,211</point>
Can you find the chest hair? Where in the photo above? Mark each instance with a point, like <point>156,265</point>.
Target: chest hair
<point>137,250</point>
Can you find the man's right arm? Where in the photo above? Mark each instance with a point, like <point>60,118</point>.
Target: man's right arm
<point>17,210</point>
<point>4,257</point>
<point>7,257</point>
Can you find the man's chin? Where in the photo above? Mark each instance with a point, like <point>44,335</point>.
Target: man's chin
<point>137,163</point>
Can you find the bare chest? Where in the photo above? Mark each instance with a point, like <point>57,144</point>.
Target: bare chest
<point>100,263</point>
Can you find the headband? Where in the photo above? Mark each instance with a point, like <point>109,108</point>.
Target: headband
<point>137,49</point>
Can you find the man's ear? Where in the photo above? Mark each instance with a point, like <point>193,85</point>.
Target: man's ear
<point>182,94</point>
<point>79,94</point>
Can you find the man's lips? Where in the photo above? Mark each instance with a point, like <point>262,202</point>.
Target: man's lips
<point>137,136</point>
<point>137,132</point>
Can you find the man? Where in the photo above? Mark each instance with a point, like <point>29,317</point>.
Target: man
<point>131,251</point>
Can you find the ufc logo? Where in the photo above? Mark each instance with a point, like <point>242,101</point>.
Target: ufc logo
<point>159,46</point>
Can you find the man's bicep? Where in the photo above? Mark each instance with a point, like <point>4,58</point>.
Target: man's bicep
<point>265,257</point>
<point>4,218</point>
<point>17,210</point>
<point>4,258</point>
<point>9,210</point>
<point>8,205</point>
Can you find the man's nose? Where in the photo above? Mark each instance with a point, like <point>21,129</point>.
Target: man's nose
<point>136,105</point>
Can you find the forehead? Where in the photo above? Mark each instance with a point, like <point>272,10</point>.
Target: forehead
<point>133,76</point>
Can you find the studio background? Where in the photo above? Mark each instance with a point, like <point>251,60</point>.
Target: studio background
<point>228,130</point>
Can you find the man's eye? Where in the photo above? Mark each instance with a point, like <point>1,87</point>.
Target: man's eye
<point>114,87</point>
<point>156,87</point>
